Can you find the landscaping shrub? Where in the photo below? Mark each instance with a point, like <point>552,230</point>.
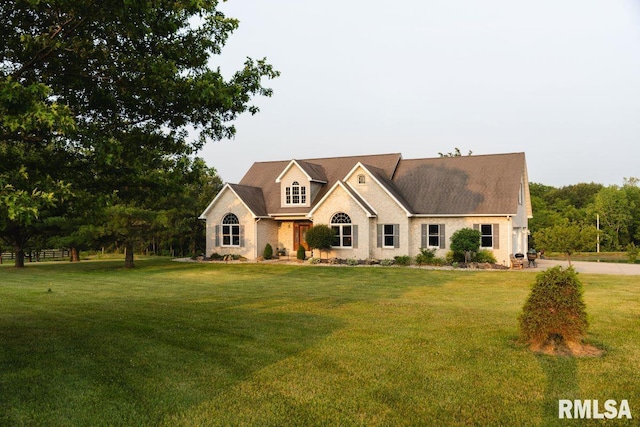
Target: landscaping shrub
<point>454,257</point>
<point>485,256</point>
<point>402,260</point>
<point>555,310</point>
<point>268,252</point>
<point>320,237</point>
<point>426,256</point>
<point>465,242</point>
<point>387,262</point>
<point>300,254</point>
<point>352,261</point>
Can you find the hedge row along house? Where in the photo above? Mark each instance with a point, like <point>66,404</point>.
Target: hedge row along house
<point>379,206</point>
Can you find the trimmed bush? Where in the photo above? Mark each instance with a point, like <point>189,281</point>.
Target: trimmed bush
<point>300,254</point>
<point>485,256</point>
<point>268,252</point>
<point>465,242</point>
<point>426,256</point>
<point>555,311</point>
<point>320,237</point>
<point>402,260</point>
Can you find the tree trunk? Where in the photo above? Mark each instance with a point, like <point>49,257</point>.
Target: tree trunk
<point>128,255</point>
<point>19,251</point>
<point>74,254</point>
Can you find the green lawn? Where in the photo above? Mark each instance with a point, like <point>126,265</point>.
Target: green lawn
<point>254,344</point>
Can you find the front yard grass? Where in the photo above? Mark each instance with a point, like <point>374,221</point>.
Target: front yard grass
<point>253,344</point>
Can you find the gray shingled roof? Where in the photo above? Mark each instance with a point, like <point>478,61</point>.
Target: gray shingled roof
<point>253,197</point>
<point>316,172</point>
<point>468,185</point>
<point>263,175</point>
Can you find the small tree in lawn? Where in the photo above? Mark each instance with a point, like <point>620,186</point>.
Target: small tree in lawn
<point>555,313</point>
<point>567,238</point>
<point>465,241</point>
<point>320,237</point>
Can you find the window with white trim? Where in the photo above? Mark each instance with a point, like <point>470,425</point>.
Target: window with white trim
<point>388,236</point>
<point>295,194</point>
<point>433,236</point>
<point>343,230</point>
<point>230,230</point>
<point>486,235</point>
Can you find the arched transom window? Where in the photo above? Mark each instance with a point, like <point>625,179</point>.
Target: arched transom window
<point>342,229</point>
<point>230,230</point>
<point>295,194</point>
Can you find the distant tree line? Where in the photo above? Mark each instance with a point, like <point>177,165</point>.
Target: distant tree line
<point>569,216</point>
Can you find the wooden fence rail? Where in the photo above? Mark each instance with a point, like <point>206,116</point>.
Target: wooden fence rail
<point>37,255</point>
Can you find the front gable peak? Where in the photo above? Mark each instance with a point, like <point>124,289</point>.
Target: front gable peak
<point>313,172</point>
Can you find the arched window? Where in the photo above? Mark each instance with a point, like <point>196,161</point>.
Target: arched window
<point>343,230</point>
<point>230,230</point>
<point>296,194</point>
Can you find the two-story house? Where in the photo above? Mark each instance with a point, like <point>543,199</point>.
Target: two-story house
<point>379,206</point>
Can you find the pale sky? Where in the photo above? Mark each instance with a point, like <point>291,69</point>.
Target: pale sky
<point>557,79</point>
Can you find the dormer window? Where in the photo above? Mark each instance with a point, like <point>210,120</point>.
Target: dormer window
<point>296,194</point>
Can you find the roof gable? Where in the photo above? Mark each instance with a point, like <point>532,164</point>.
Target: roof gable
<point>355,196</point>
<point>264,175</point>
<point>313,172</point>
<point>385,183</point>
<point>251,198</point>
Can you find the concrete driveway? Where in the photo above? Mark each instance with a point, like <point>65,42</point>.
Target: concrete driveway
<point>592,267</point>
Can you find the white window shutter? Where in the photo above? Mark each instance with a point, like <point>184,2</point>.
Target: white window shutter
<point>443,236</point>
<point>216,237</point>
<point>424,242</point>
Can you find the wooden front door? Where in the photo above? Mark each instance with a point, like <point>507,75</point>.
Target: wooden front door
<point>299,232</point>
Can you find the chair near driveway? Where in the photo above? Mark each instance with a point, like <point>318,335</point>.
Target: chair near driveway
<point>517,262</point>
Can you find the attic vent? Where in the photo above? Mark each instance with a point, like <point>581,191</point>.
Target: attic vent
<point>362,179</point>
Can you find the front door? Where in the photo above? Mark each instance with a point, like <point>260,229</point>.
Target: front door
<point>299,232</point>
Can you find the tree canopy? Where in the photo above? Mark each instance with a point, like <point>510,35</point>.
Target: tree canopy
<point>111,101</point>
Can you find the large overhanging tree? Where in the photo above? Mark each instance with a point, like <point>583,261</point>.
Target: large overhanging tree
<point>136,77</point>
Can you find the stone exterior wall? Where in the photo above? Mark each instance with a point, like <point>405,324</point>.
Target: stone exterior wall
<point>341,201</point>
<point>229,203</point>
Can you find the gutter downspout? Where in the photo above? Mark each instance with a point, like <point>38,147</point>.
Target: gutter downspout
<point>255,239</point>
<point>509,240</point>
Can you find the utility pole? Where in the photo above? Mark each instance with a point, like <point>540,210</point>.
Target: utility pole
<point>598,227</point>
